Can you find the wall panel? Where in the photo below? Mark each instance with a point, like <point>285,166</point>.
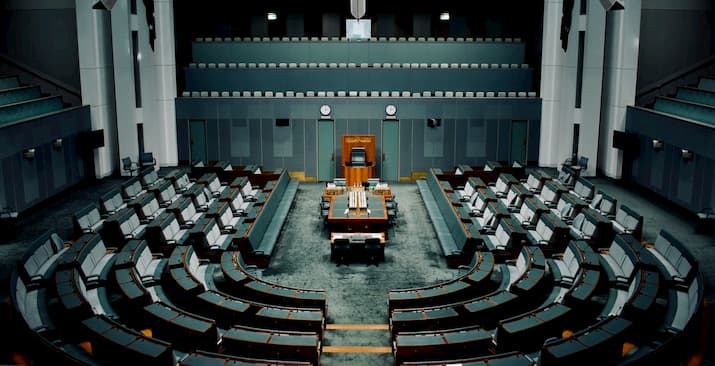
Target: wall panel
<point>489,140</point>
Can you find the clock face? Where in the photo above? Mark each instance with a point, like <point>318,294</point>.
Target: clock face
<point>390,110</point>
<point>325,110</point>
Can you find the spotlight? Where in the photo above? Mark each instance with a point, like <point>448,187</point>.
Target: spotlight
<point>57,144</point>
<point>657,145</point>
<point>271,16</point>
<point>434,122</point>
<point>686,154</point>
<point>444,16</point>
<point>29,154</point>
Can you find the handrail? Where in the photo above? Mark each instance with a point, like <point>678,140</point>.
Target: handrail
<point>41,75</point>
<point>658,85</point>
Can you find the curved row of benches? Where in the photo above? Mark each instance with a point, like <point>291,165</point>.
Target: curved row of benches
<point>211,214</point>
<point>589,295</point>
<point>151,294</point>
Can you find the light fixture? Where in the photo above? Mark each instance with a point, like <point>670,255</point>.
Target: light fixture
<point>444,16</point>
<point>271,16</point>
<point>434,122</point>
<point>357,8</point>
<point>29,154</point>
<point>657,145</point>
<point>686,154</point>
<point>57,144</point>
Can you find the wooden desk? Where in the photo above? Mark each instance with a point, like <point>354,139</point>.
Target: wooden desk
<point>355,175</point>
<point>354,221</point>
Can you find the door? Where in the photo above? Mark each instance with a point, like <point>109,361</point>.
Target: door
<point>518,141</point>
<point>390,150</point>
<point>326,151</point>
<point>197,138</point>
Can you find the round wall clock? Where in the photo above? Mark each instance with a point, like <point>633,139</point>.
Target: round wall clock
<point>325,110</point>
<point>390,110</point>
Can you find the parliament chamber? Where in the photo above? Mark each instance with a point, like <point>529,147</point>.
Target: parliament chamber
<point>356,183</point>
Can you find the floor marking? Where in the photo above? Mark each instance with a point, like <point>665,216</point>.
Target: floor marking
<point>356,349</point>
<point>357,327</point>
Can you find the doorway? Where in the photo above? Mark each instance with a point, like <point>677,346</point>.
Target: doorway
<point>518,141</point>
<point>326,150</point>
<point>197,138</point>
<point>390,150</point>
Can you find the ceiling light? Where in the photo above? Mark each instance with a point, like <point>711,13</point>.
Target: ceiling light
<point>271,16</point>
<point>444,16</point>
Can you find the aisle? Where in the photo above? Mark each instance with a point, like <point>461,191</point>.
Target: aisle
<point>357,292</point>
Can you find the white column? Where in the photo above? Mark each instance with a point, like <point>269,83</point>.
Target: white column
<point>551,64</point>
<point>621,70</point>
<point>97,80</point>
<point>594,23</point>
<point>127,116</point>
<point>164,145</point>
<point>559,81</point>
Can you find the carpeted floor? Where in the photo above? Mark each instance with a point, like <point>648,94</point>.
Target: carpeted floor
<point>357,292</point>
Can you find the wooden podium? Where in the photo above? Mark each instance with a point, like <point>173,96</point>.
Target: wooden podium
<point>356,174</point>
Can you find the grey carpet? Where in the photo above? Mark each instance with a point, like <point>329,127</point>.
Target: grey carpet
<point>357,292</point>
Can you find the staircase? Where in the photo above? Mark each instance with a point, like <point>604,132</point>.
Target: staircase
<point>28,75</point>
<point>695,102</point>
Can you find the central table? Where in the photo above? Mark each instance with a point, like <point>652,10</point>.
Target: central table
<point>373,219</point>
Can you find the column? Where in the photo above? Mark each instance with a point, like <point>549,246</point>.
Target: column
<point>619,81</point>
<point>157,71</point>
<point>166,151</point>
<point>127,114</point>
<point>551,63</point>
<point>97,80</point>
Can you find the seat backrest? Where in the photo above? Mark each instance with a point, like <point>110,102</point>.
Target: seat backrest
<point>213,233</point>
<point>182,181</point>
<point>40,251</point>
<point>149,178</point>
<point>126,163</point>
<point>88,217</point>
<point>628,218</point>
<point>543,229</point>
<point>188,211</point>
<point>607,205</point>
<point>112,201</point>
<point>92,255</point>
<point>341,242</point>
<point>146,158</point>
<point>584,188</point>
<point>168,193</point>
<point>533,182</point>
<point>583,162</point>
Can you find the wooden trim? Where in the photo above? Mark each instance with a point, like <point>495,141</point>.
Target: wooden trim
<point>357,327</point>
<point>356,349</point>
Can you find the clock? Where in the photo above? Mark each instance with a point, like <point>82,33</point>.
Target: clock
<point>390,110</point>
<point>325,110</point>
